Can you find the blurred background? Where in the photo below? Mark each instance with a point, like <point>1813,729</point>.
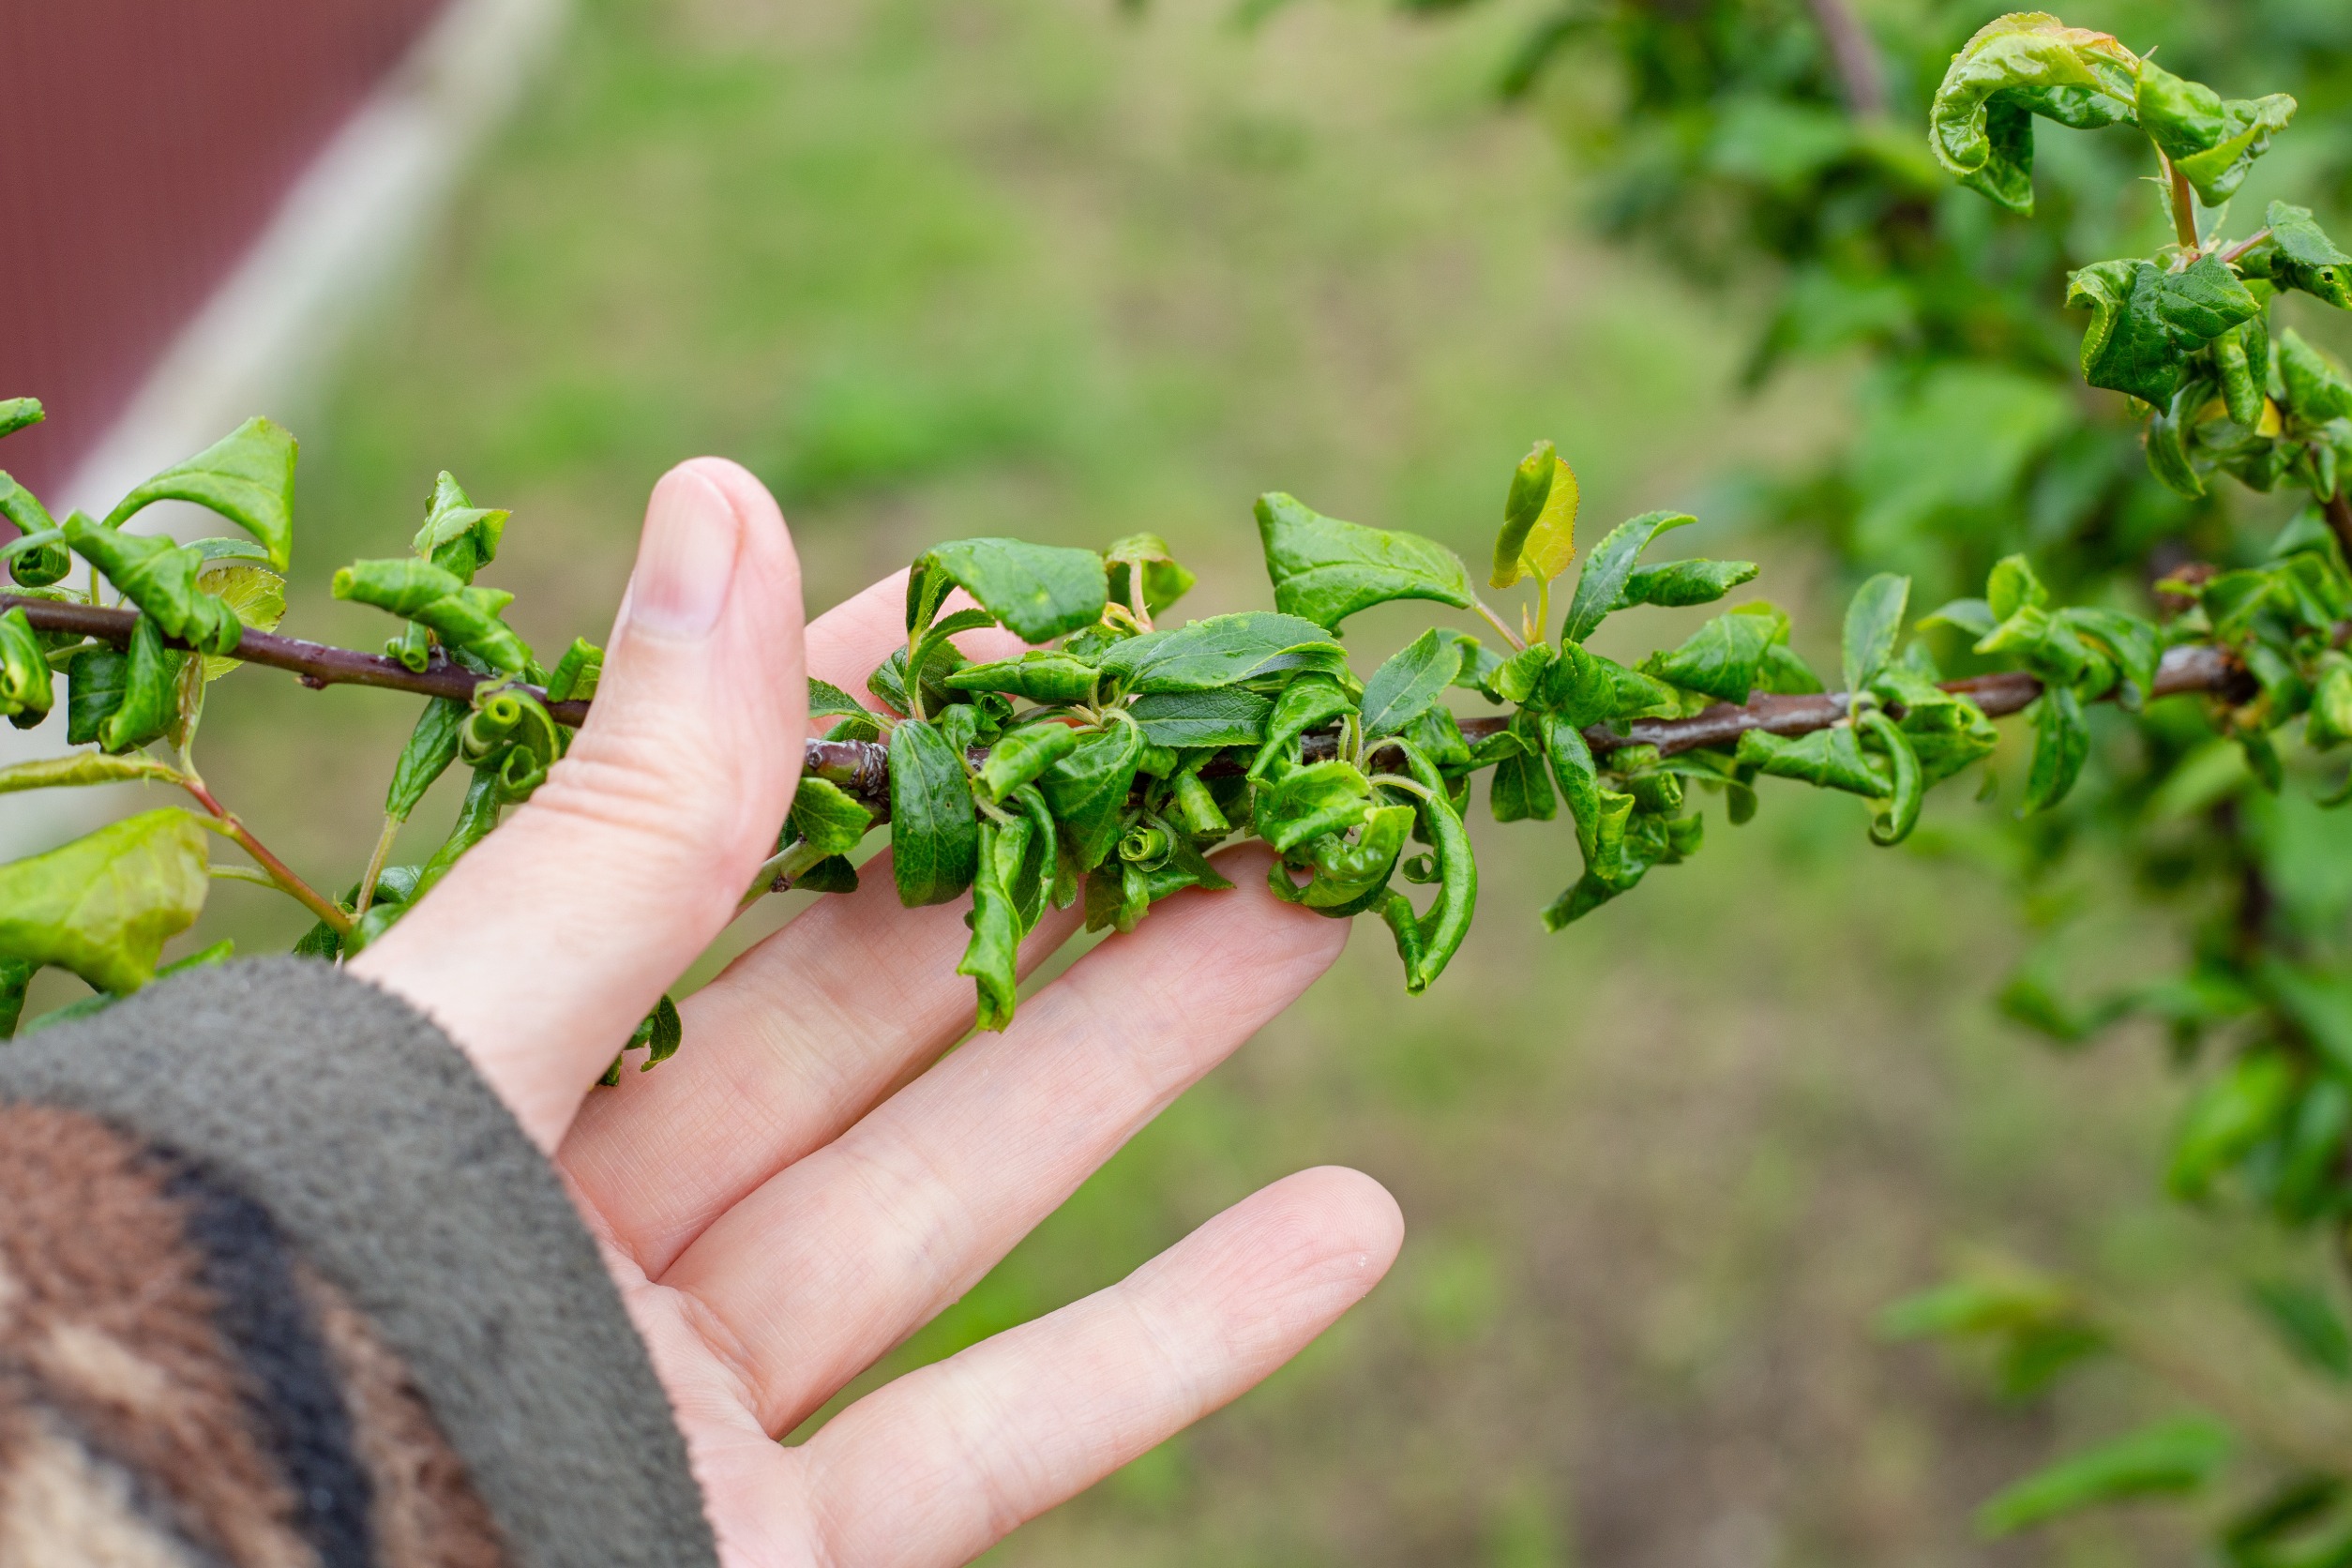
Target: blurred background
<point>1068,270</point>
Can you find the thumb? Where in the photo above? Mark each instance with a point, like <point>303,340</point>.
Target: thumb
<point>545,945</point>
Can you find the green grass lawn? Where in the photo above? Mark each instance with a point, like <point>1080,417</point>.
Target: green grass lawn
<point>945,268</point>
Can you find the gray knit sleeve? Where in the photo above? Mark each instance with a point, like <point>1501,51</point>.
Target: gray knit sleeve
<point>380,1259</point>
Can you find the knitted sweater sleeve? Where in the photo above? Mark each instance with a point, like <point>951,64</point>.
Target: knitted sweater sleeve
<point>282,1285</point>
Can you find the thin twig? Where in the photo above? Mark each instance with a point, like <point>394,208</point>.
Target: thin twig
<point>862,767</point>
<point>279,872</point>
<point>315,664</point>
<point>2239,250</point>
<point>1860,71</point>
<point>2184,211</point>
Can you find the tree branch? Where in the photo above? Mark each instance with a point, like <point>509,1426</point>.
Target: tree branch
<point>862,767</point>
<point>1859,70</point>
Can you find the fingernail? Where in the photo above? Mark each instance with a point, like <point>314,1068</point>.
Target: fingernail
<point>685,559</point>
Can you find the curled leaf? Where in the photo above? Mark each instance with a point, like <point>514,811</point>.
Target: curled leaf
<point>160,577</point>
<point>2211,140</point>
<point>1539,519</point>
<point>462,616</point>
<point>934,835</point>
<point>2018,66</point>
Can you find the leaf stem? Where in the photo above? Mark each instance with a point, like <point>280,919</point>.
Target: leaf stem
<point>1496,621</point>
<point>2239,250</point>
<point>2184,211</point>
<point>279,872</point>
<point>375,867</point>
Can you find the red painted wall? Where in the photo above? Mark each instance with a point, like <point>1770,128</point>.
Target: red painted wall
<point>143,144</point>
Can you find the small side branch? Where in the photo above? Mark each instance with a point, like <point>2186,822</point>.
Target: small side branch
<point>1859,70</point>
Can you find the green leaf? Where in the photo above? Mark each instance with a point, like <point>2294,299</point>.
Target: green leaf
<point>2146,322</point>
<point>1677,583</point>
<point>2061,744</point>
<point>457,537</point>
<point>2211,140</point>
<point>94,689</point>
<point>2307,1323</point>
<point>1021,755</point>
<point>1221,651</point>
<point>84,767</point>
<point>16,976</point>
<point>151,691</point>
<point>2300,255</point>
<point>1309,702</point>
<point>992,957</point>
<point>466,618</point>
<point>2230,1116</point>
<point>1408,683</point>
<point>834,874</point>
<point>18,412</point>
<point>660,1032</point>
<point>1037,590</point>
<point>104,905</point>
<point>1539,519</point>
<point>1520,789</point>
<point>1088,791</point>
<point>2330,721</point>
<point>2316,389</point>
<point>1324,570</point>
<point>1601,586</point>
<point>2242,387</point>
<point>159,577</point>
<point>248,476</point>
<point>1830,759</point>
<point>2171,1456</point>
<point>1874,620</point>
<point>27,686</point>
<point>1164,581</point>
<point>1973,617</point>
<point>1037,675</point>
<point>1347,874</point>
<point>580,670</point>
<point>828,818</point>
<point>1946,729</point>
<point>1901,815</point>
<point>432,746</point>
<point>1720,658</point>
<point>2015,66</point>
<point>1308,802</point>
<point>1579,687</point>
<point>1226,716</point>
<point>934,833</point>
<point>255,595</point>
<point>2136,646</point>
<point>1427,942</point>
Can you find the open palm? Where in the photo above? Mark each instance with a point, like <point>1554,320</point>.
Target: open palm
<point>816,1176</point>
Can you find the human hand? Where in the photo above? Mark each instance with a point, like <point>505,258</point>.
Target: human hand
<point>808,1180</point>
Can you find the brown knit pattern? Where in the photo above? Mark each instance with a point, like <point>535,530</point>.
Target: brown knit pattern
<point>137,1424</point>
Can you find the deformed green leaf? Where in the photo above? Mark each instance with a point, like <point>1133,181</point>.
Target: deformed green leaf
<point>1901,815</point>
<point>255,595</point>
<point>463,617</point>
<point>18,412</point>
<point>1677,583</point>
<point>159,577</point>
<point>27,686</point>
<point>1227,715</point>
<point>1088,791</point>
<point>1164,581</point>
<point>84,767</point>
<point>828,818</point>
<point>1427,942</point>
<point>103,905</point>
<point>580,670</point>
<point>247,477</point>
<point>1311,701</point>
<point>2300,255</point>
<point>1831,758</point>
<point>2061,744</point>
<point>432,746</point>
<point>2316,388</point>
<point>457,537</point>
<point>2211,140</point>
<point>1307,802</point>
<point>1720,658</point>
<point>1222,651</point>
<point>1038,592</point>
<point>991,959</point>
<point>2146,321</point>
<point>151,679</point>
<point>2016,67</point>
<point>934,833</point>
<point>1324,570</point>
<point>1038,675</point>
<point>1601,586</point>
<point>1021,755</point>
